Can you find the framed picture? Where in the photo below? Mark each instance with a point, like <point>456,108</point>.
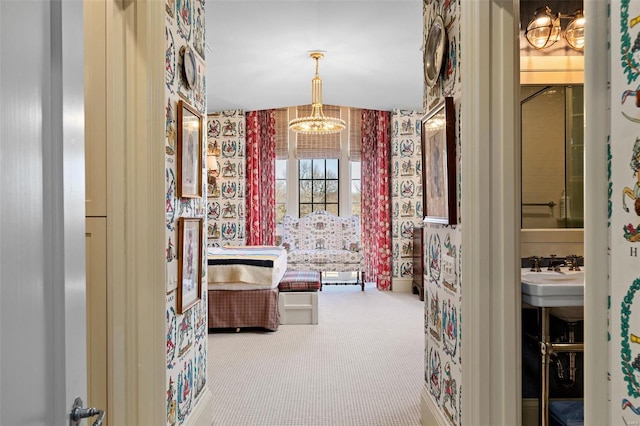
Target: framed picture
<point>189,262</point>
<point>189,151</point>
<point>439,164</point>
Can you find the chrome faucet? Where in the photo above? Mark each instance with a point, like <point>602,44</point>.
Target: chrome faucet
<point>573,262</point>
<point>535,264</point>
<point>555,263</point>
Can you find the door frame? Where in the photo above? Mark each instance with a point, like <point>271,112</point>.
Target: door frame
<point>136,280</point>
<point>490,216</point>
<point>490,213</point>
<point>596,228</point>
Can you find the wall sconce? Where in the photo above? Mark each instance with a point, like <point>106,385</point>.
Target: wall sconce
<point>544,29</point>
<point>212,169</point>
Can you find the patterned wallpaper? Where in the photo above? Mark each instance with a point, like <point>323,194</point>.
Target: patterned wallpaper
<point>226,189</point>
<point>442,295</point>
<point>442,249</point>
<point>406,188</point>
<point>186,347</point>
<point>624,213</point>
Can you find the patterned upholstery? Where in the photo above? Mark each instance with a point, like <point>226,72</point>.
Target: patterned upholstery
<point>300,281</point>
<point>322,241</point>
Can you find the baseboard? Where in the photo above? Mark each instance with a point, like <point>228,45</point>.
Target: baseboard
<point>402,285</point>
<point>202,414</point>
<point>529,411</point>
<point>430,414</point>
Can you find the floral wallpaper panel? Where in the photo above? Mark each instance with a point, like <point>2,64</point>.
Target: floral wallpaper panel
<point>226,187</point>
<point>624,213</point>
<point>186,343</point>
<point>406,188</point>
<point>442,244</point>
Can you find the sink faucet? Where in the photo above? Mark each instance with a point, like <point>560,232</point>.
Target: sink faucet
<point>574,262</point>
<point>555,263</point>
<point>535,263</point>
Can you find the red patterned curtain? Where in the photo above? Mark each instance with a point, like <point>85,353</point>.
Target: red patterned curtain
<point>376,217</point>
<point>261,177</point>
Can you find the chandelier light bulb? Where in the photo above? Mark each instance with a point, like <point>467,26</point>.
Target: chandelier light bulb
<point>544,29</point>
<point>574,34</point>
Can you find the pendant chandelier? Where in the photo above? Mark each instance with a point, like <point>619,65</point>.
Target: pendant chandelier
<point>317,122</point>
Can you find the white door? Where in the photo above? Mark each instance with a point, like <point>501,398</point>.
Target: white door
<point>42,236</point>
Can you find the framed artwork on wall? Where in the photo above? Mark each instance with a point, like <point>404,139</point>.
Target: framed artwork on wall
<point>189,262</point>
<point>439,164</point>
<point>189,151</point>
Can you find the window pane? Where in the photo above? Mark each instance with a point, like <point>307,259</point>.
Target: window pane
<point>281,169</point>
<point>305,191</point>
<point>318,191</point>
<point>332,169</point>
<point>281,191</point>
<point>318,169</point>
<point>319,207</point>
<point>320,188</point>
<point>305,169</point>
<point>356,199</point>
<point>305,209</point>
<point>332,208</point>
<point>281,210</point>
<point>356,171</point>
<point>332,191</point>
<point>355,187</point>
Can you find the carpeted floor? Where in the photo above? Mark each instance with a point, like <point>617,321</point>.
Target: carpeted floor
<point>363,364</point>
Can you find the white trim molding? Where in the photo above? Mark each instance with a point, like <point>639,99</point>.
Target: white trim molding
<point>135,215</point>
<point>596,232</point>
<point>402,285</point>
<point>431,415</point>
<point>490,200</point>
<point>202,412</point>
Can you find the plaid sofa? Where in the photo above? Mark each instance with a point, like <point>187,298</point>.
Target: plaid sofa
<point>322,241</point>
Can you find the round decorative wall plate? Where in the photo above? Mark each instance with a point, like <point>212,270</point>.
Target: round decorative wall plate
<point>189,66</point>
<point>434,51</point>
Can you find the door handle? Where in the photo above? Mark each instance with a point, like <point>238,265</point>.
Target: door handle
<point>78,413</point>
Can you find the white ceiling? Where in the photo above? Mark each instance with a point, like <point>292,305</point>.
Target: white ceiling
<point>257,53</point>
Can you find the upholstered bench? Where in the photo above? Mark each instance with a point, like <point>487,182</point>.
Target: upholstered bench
<point>324,242</point>
<point>298,298</point>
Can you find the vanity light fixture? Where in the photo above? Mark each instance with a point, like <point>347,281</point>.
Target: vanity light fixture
<point>574,34</point>
<point>317,122</point>
<point>544,29</point>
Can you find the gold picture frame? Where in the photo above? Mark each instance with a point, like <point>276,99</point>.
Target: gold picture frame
<point>189,262</point>
<point>439,164</point>
<point>189,164</point>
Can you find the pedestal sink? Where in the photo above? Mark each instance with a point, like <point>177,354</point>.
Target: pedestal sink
<point>560,290</point>
<point>560,294</point>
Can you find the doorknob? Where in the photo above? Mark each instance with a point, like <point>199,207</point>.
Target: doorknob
<point>78,413</point>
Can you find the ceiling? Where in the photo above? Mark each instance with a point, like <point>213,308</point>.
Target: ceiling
<point>257,53</point>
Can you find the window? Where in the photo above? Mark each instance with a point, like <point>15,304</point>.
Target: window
<point>318,186</point>
<point>318,173</point>
<point>281,189</point>
<point>356,187</point>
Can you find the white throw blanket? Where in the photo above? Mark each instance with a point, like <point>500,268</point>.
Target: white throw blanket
<point>260,266</point>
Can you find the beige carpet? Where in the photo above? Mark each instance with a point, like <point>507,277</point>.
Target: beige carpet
<point>363,364</point>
